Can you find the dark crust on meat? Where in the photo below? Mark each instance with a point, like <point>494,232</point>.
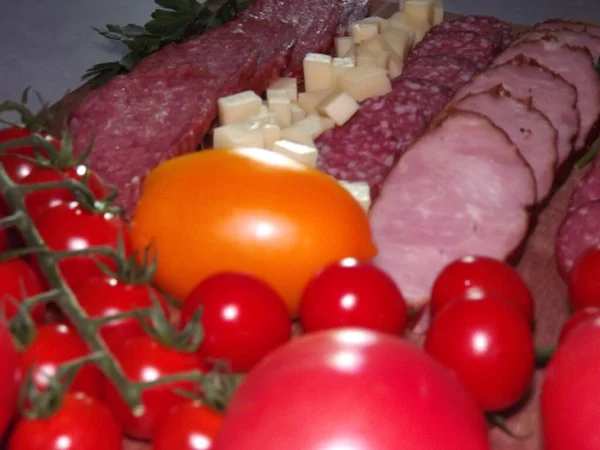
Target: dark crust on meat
<point>569,21</point>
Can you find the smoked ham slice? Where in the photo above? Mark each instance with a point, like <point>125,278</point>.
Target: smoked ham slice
<point>575,25</point>
<point>462,188</point>
<point>574,38</point>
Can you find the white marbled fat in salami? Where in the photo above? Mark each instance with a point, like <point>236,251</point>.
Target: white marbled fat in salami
<point>496,30</point>
<point>587,188</point>
<point>472,46</point>
<point>428,96</point>
<point>449,71</point>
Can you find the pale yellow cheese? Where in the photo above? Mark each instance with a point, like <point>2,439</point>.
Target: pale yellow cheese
<point>351,53</point>
<point>271,133</point>
<point>239,107</point>
<point>376,45</point>
<point>382,24</point>
<point>297,113</point>
<point>236,136</point>
<point>382,59</point>
<point>297,134</point>
<point>341,65</point>
<point>308,101</point>
<point>419,11</point>
<point>282,108</point>
<point>288,84</point>
<point>438,12</point>
<point>313,124</point>
<point>366,60</point>
<point>361,192</point>
<point>399,40</point>
<point>394,67</point>
<point>363,30</point>
<point>339,107</point>
<point>318,72</point>
<point>259,121</point>
<point>326,123</point>
<point>400,21</point>
<point>343,44</point>
<point>301,153</point>
<point>364,82</point>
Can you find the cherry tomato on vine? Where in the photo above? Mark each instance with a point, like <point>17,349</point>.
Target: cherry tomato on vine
<point>243,319</point>
<point>578,317</point>
<point>19,281</point>
<point>54,345</point>
<point>68,226</point>
<point>489,346</point>
<point>584,280</point>
<point>354,294</point>
<point>190,426</point>
<point>9,378</point>
<point>143,359</point>
<point>104,296</point>
<point>81,422</point>
<point>478,277</point>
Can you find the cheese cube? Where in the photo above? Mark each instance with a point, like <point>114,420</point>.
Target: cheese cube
<point>366,60</point>
<point>339,107</point>
<point>259,121</point>
<point>419,11</point>
<point>343,44</point>
<point>375,45</point>
<point>364,82</point>
<point>237,108</point>
<point>419,29</point>
<point>361,31</point>
<point>318,72</point>
<point>438,12</point>
<point>399,40</point>
<point>382,59</point>
<point>394,67</point>
<point>282,108</point>
<point>271,133</point>
<point>361,192</point>
<point>382,24</point>
<point>351,53</point>
<point>312,124</point>
<point>326,124</point>
<point>308,101</point>
<point>297,113</point>
<point>236,136</point>
<point>341,65</point>
<point>301,153</point>
<point>298,135</point>
<point>288,84</point>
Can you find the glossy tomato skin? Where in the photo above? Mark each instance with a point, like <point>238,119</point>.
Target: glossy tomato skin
<point>9,378</point>
<point>365,391</point>
<point>68,227</point>
<point>578,317</point>
<point>353,294</point>
<point>584,280</point>
<point>243,319</point>
<point>19,168</point>
<point>476,277</point>
<point>39,201</point>
<point>19,281</point>
<point>53,345</point>
<point>144,359</point>
<point>80,423</point>
<point>570,399</point>
<point>489,346</point>
<point>104,296</point>
<point>190,426</point>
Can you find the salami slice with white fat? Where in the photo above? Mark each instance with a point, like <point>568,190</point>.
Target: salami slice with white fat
<point>428,96</point>
<point>573,38</point>
<point>528,129</point>
<point>498,31</point>
<point>449,71</point>
<point>587,188</point>
<point>549,93</point>
<point>578,232</point>
<point>574,64</point>
<point>462,188</point>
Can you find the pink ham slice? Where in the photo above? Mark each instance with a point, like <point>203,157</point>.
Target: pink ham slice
<point>462,188</point>
<point>574,38</point>
<point>575,65</point>
<point>549,93</point>
<point>575,25</point>
<point>528,129</point>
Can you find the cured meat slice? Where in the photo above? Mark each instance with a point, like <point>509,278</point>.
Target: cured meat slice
<point>579,231</point>
<point>575,65</point>
<point>575,25</point>
<point>428,96</point>
<point>528,129</point>
<point>449,71</point>
<point>206,51</point>
<point>444,200</point>
<point>472,46</point>
<point>140,120</point>
<point>352,11</point>
<point>587,188</point>
<point>574,38</point>
<point>549,93</point>
<point>498,31</point>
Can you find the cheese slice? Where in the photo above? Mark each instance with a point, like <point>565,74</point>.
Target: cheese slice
<point>400,41</point>
<point>301,153</point>
<point>365,82</point>
<point>363,30</point>
<point>297,113</point>
<point>343,44</point>
<point>438,12</point>
<point>237,108</point>
<point>339,107</point>
<point>419,11</point>
<point>282,108</point>
<point>308,101</point>
<point>237,136</point>
<point>288,84</point>
<point>298,135</point>
<point>271,133</point>
<point>361,192</point>
<point>318,72</point>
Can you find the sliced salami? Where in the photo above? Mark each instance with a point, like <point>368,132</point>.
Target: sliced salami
<point>449,71</point>
<point>428,96</point>
<point>587,188</point>
<point>442,201</point>
<point>472,46</point>
<point>528,129</point>
<point>352,11</point>
<point>575,65</point>
<point>498,31</point>
<point>579,231</point>
<point>574,38</point>
<point>550,93</point>
<point>140,120</point>
<point>575,25</point>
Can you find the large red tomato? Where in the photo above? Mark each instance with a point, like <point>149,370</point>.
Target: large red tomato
<point>584,280</point>
<point>15,166</point>
<point>570,401</point>
<point>351,389</point>
<point>17,282</point>
<point>9,378</point>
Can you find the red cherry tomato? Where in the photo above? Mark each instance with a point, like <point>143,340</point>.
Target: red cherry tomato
<point>18,168</point>
<point>68,227</point>
<point>243,319</point>
<point>353,294</point>
<point>9,378</point>
<point>144,359</point>
<point>578,317</point>
<point>477,277</point>
<point>584,280</point>
<point>489,346</point>
<point>570,399</point>
<point>53,345</point>
<point>80,423</point>
<point>368,390</point>
<point>38,202</point>
<point>19,281</point>
<point>190,426</point>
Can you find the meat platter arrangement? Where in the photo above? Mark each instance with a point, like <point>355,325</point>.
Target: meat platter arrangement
<point>364,214</point>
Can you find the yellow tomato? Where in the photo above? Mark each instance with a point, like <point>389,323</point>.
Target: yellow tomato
<point>246,210</point>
